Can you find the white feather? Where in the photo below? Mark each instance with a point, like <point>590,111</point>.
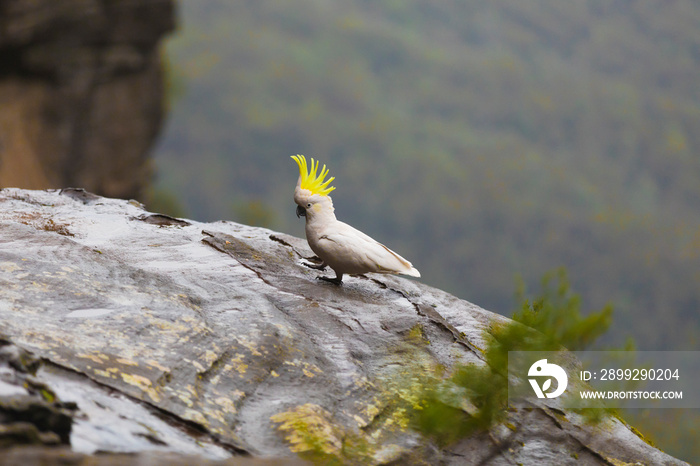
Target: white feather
<point>347,249</point>
<point>344,248</point>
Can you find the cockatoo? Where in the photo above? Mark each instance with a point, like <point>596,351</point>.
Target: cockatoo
<point>340,246</point>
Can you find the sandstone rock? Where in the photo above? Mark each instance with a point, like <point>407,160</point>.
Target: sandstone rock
<point>213,340</point>
<point>81,92</point>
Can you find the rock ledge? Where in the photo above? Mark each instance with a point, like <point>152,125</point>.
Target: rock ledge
<point>155,334</point>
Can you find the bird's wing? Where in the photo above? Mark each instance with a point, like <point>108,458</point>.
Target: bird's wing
<point>357,252</point>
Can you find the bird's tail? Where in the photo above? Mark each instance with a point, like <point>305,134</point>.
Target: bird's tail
<point>413,272</point>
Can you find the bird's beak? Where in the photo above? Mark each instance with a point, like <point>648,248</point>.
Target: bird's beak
<point>301,212</point>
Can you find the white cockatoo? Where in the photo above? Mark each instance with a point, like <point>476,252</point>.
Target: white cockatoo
<point>340,246</point>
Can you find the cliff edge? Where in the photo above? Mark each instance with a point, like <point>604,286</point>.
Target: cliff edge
<point>124,331</point>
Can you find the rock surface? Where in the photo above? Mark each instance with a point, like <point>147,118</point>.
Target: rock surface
<point>81,92</point>
<point>157,334</point>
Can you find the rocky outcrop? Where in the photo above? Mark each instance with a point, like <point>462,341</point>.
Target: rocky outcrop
<point>81,92</point>
<point>158,334</point>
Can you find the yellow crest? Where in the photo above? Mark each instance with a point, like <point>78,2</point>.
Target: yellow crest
<point>309,179</point>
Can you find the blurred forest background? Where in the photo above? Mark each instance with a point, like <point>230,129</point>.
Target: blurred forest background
<point>485,141</point>
<point>482,140</point>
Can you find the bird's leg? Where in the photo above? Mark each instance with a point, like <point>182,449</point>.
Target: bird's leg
<point>336,281</point>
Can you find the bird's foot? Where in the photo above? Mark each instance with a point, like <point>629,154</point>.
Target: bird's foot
<point>320,266</point>
<point>335,281</point>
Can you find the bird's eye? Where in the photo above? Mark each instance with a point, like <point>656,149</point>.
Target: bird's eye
<point>308,205</point>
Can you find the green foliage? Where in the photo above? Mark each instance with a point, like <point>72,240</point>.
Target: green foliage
<point>556,314</point>
<point>441,422</point>
<point>474,398</point>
